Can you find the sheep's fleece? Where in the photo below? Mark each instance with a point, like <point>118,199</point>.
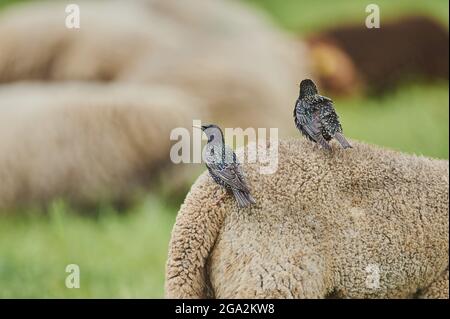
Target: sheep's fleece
<point>200,46</point>
<point>360,223</point>
<point>85,142</point>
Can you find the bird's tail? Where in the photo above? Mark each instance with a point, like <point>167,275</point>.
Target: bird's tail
<point>341,139</point>
<point>243,198</point>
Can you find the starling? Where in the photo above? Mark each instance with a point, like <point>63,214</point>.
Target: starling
<point>224,167</point>
<point>316,118</point>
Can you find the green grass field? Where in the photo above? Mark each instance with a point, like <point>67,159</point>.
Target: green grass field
<point>413,119</point>
<point>119,255</point>
<point>308,16</point>
<point>123,255</point>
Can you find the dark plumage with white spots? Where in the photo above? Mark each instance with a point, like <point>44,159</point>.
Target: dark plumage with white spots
<point>316,118</point>
<point>224,167</point>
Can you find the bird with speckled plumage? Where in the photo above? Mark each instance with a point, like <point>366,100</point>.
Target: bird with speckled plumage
<point>316,118</point>
<point>224,167</point>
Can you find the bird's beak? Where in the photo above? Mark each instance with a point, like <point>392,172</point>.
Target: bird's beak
<point>197,127</point>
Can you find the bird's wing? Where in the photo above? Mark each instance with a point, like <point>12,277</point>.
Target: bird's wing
<point>231,174</point>
<point>301,110</point>
<point>311,124</point>
<point>329,116</point>
<point>316,125</point>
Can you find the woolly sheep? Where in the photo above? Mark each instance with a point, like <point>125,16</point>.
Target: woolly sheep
<point>361,223</point>
<point>85,142</point>
<point>221,51</point>
<point>138,46</point>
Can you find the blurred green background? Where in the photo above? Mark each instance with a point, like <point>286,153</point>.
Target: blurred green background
<point>123,255</point>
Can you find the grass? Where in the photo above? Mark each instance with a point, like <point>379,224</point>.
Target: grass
<point>122,255</point>
<point>119,255</point>
<point>5,3</point>
<point>312,16</point>
<point>413,119</point>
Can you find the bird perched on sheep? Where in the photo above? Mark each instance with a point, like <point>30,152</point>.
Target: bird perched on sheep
<point>371,223</point>
<point>224,167</point>
<point>315,117</point>
<point>169,43</point>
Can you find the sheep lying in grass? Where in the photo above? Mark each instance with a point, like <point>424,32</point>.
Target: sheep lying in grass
<point>202,47</point>
<point>361,223</point>
<point>87,145</point>
<point>85,142</point>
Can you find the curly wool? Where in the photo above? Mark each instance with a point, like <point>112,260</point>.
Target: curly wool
<point>361,223</point>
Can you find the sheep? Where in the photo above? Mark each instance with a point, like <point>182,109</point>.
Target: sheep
<point>361,62</point>
<point>221,51</point>
<point>36,45</point>
<point>362,223</point>
<point>137,47</point>
<point>86,143</point>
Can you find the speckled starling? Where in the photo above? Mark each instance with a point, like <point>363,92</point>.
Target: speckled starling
<point>316,118</point>
<point>224,167</point>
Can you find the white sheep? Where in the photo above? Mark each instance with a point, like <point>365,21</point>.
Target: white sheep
<point>361,223</point>
<point>86,142</point>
